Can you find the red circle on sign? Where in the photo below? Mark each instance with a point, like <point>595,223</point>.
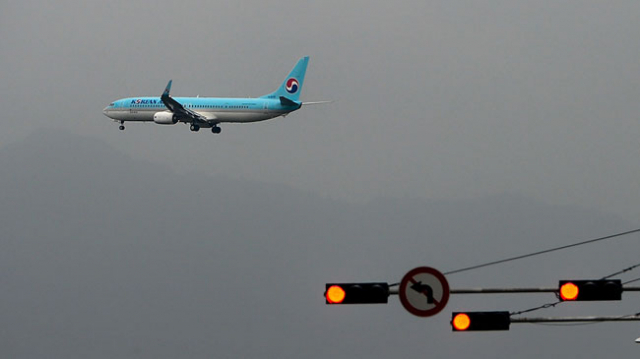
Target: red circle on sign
<point>440,304</point>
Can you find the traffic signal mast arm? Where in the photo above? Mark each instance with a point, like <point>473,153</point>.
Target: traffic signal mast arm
<point>503,290</point>
<point>394,290</point>
<point>378,292</point>
<point>630,318</point>
<point>530,290</point>
<point>519,290</point>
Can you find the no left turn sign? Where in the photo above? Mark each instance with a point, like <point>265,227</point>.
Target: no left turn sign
<point>424,291</point>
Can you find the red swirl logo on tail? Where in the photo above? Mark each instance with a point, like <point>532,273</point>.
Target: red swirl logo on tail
<point>292,85</point>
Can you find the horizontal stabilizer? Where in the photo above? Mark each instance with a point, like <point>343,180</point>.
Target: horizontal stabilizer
<point>316,102</point>
<point>287,102</point>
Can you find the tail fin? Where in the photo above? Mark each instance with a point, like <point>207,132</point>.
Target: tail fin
<point>292,85</point>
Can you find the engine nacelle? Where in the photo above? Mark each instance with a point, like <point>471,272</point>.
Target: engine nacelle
<point>165,118</point>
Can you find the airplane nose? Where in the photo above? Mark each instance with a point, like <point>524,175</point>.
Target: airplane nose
<point>105,111</point>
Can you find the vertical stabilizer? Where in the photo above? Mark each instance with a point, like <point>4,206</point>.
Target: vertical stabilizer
<point>292,85</point>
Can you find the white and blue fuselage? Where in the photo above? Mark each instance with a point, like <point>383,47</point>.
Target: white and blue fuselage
<point>220,109</point>
<point>208,112</point>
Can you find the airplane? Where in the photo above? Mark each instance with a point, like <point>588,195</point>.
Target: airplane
<point>208,112</point>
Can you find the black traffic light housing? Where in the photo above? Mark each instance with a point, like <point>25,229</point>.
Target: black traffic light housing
<point>357,293</point>
<point>591,290</point>
<point>476,321</point>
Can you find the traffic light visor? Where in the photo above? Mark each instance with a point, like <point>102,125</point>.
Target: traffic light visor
<point>569,291</point>
<point>461,321</point>
<point>335,294</point>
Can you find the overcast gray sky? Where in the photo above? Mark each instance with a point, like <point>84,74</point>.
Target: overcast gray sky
<point>435,101</point>
<point>104,256</point>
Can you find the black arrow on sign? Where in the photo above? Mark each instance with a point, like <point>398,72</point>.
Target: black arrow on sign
<point>424,289</point>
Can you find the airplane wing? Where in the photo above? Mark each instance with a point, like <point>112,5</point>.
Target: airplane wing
<point>182,113</point>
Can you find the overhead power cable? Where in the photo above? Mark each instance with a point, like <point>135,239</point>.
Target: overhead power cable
<point>547,251</point>
<point>542,252</point>
<point>631,281</point>
<point>622,271</point>
<point>544,306</point>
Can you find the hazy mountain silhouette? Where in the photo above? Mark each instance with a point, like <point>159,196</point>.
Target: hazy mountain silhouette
<point>102,255</point>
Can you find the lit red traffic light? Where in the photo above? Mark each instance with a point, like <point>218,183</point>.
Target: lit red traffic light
<point>461,322</point>
<point>569,291</point>
<point>335,294</point>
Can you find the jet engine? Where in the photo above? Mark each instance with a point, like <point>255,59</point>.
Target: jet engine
<point>165,118</point>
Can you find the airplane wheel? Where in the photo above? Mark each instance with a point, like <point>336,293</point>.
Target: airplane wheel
<point>121,128</point>
<point>216,129</point>
<point>195,128</point>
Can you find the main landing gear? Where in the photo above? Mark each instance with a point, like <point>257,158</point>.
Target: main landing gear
<point>196,128</point>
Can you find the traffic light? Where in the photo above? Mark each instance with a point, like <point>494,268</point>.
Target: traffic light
<point>600,289</point>
<point>356,293</point>
<point>471,321</point>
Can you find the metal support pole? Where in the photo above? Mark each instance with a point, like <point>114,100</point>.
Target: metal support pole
<point>631,318</point>
<point>520,290</point>
<point>502,290</point>
<point>394,290</point>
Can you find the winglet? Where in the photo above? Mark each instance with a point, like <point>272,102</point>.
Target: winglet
<point>167,89</point>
